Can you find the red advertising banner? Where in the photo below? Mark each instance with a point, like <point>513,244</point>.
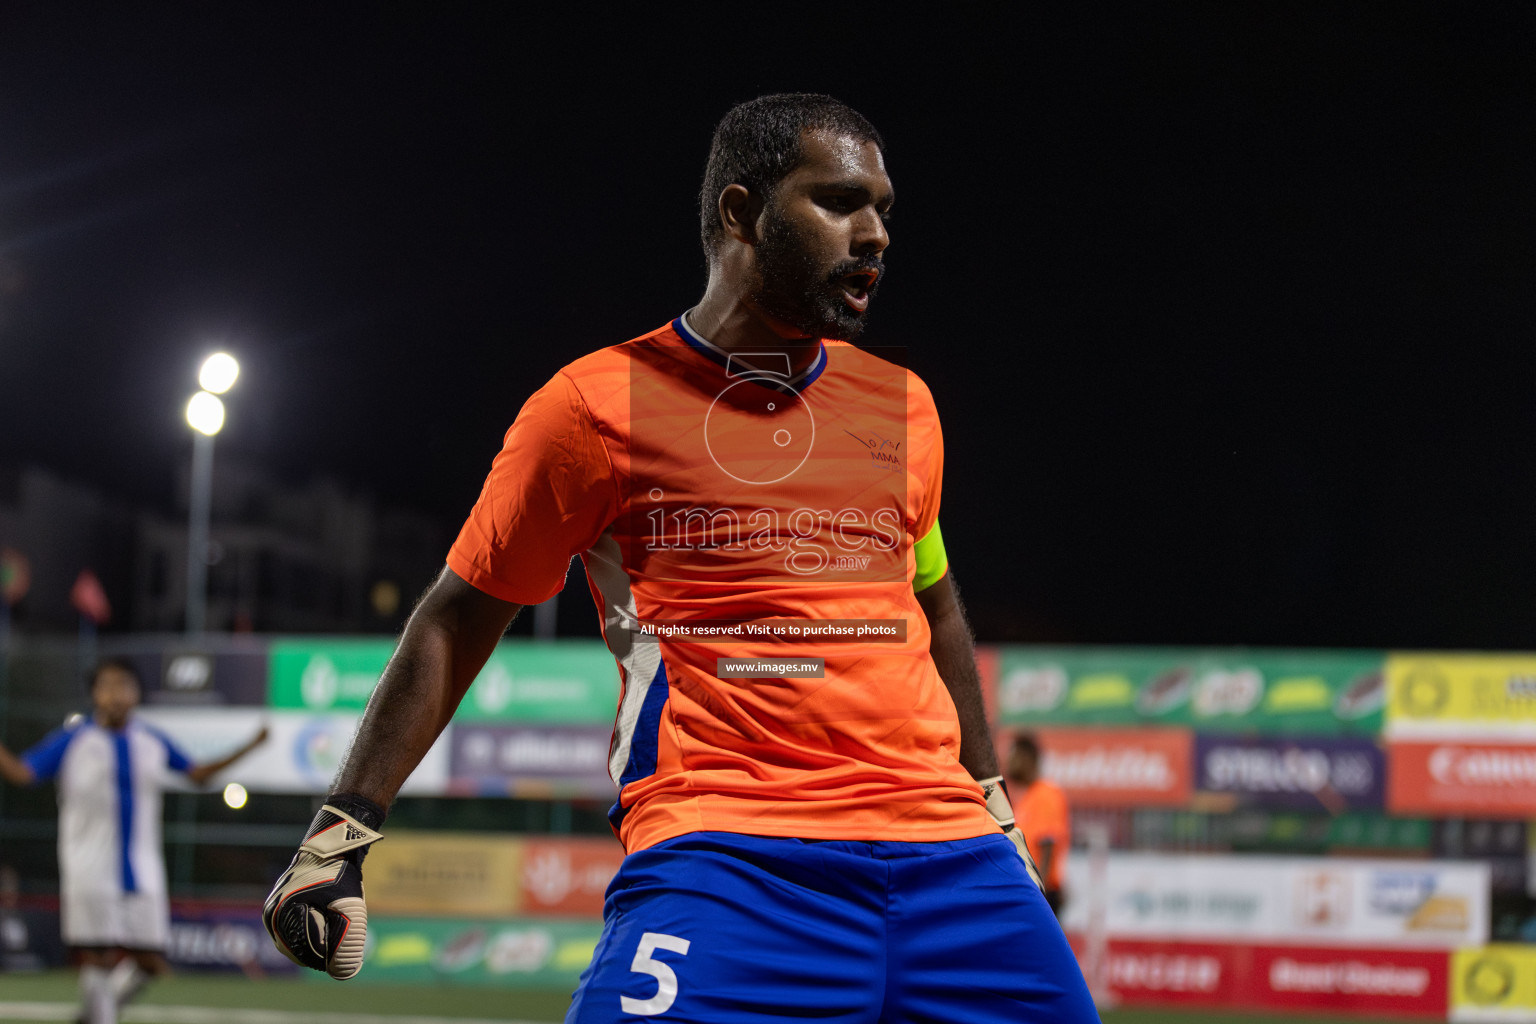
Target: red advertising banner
<point>568,876</point>
<point>1483,778</point>
<point>1119,767</point>
<point>1370,982</point>
<point>1186,973</point>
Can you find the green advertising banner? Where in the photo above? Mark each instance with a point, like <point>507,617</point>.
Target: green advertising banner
<point>1257,831</point>
<point>1266,691</point>
<point>564,681</point>
<point>512,952</point>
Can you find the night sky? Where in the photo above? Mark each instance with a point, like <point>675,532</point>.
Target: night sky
<point>1228,308</point>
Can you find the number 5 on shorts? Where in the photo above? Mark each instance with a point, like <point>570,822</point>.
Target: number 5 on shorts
<point>666,980</point>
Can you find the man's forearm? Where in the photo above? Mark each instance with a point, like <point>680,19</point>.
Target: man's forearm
<point>408,710</point>
<point>953,648</point>
<point>446,642</point>
<point>201,773</point>
<point>14,769</point>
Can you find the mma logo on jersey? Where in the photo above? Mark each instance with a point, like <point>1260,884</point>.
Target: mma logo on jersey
<point>882,452</point>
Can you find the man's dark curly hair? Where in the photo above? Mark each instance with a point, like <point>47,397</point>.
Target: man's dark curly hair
<point>758,142</point>
<point>122,664</point>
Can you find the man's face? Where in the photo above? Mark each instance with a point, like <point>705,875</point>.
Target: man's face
<point>115,693</point>
<point>822,232</point>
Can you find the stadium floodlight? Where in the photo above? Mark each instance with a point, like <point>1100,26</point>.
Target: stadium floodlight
<point>235,796</point>
<point>219,373</point>
<point>205,413</point>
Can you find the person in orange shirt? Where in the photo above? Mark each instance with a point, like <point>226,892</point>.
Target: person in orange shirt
<point>813,817</point>
<point>1040,809</point>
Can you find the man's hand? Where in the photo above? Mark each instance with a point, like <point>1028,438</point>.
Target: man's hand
<point>1001,809</point>
<point>316,914</point>
<point>14,770</point>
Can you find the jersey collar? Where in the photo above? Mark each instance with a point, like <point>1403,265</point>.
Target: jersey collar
<point>735,368</point>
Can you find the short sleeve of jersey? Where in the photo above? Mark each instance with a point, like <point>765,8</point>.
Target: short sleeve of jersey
<point>45,757</point>
<point>549,495</point>
<point>925,416</point>
<point>176,759</point>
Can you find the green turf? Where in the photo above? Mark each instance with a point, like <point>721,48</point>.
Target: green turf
<point>318,995</point>
<point>460,1001</point>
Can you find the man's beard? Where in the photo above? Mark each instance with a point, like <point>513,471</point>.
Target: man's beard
<point>796,289</point>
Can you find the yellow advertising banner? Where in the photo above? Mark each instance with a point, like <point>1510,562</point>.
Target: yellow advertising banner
<point>445,873</point>
<point>1472,694</point>
<point>1494,983</point>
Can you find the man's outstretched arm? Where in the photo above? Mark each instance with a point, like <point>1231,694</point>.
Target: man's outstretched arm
<point>447,639</point>
<point>953,648</point>
<point>14,770</point>
<point>201,773</point>
<point>316,914</point>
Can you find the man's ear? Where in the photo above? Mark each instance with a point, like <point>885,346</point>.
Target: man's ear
<point>739,213</point>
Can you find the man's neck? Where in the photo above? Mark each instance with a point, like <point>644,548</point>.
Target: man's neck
<point>729,323</point>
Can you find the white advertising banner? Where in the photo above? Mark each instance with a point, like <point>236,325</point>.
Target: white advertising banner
<point>1299,900</point>
<point>300,755</point>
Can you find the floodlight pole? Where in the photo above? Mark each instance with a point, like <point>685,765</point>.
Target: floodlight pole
<point>197,531</point>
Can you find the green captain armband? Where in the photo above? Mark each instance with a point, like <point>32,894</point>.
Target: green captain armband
<point>932,562</point>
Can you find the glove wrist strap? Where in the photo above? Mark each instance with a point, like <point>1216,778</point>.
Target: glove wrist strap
<point>335,832</point>
<point>363,810</point>
<point>998,804</point>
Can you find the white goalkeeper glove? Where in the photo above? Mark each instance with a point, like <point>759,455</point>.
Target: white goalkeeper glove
<point>316,914</point>
<point>1001,809</point>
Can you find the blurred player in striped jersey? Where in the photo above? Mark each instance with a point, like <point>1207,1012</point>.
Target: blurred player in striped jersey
<point>111,770</point>
<point>809,799</point>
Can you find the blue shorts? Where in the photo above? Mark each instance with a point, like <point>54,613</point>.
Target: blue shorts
<point>718,928</point>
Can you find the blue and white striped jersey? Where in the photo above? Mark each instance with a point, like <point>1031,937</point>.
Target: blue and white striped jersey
<point>110,785</point>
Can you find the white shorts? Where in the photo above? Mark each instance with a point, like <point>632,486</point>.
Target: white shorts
<point>126,920</point>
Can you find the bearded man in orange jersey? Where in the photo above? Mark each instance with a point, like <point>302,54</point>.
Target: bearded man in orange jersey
<point>809,800</point>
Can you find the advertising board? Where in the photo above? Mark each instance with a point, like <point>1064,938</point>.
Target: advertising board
<point>1259,830</point>
<point>1484,778</point>
<point>304,750</point>
<point>1461,695</point>
<point>1291,900</point>
<point>531,761</point>
<point>300,756</point>
<point>234,672</point>
<point>1402,983</point>
<point>1268,691</point>
<point>1183,973</point>
<point>478,874</point>
<point>1118,767</point>
<point>222,937</point>
<point>445,873</point>
<point>568,876</point>
<point>1334,774</point>
<point>1373,982</point>
<point>565,681</point>
<point>515,952</point>
<point>1496,983</point>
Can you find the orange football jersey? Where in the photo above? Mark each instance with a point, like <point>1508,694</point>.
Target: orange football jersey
<point>1041,812</point>
<point>726,510</point>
